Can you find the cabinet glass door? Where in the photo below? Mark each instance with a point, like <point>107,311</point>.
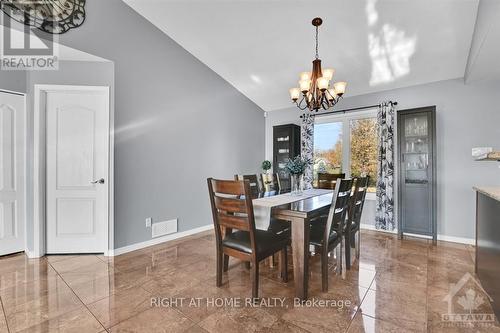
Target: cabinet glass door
<point>416,149</point>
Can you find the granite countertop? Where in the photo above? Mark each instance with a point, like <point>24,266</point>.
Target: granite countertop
<point>492,192</point>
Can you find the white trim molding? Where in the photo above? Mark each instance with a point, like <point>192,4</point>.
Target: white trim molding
<point>159,240</point>
<point>444,238</point>
<point>453,239</point>
<point>39,163</point>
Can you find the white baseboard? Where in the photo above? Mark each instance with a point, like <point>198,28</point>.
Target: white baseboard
<point>155,241</point>
<point>372,227</point>
<point>444,238</point>
<point>31,254</point>
<point>453,239</point>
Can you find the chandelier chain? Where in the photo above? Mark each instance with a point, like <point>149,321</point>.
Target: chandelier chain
<point>317,52</point>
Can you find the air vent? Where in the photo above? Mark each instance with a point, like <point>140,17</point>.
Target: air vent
<point>164,228</point>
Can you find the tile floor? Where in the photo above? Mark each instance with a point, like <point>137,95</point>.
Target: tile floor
<point>397,286</point>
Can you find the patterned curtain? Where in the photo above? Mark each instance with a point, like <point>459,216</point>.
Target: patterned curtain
<point>307,151</point>
<point>385,184</point>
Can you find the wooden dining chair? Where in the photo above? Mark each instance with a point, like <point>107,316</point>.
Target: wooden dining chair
<point>327,180</point>
<point>271,182</point>
<point>327,236</point>
<point>232,209</point>
<point>255,185</point>
<point>275,225</point>
<point>353,234</point>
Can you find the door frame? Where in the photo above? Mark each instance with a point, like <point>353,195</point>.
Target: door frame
<point>39,165</point>
<point>25,162</point>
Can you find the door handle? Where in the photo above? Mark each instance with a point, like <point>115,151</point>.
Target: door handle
<point>100,181</point>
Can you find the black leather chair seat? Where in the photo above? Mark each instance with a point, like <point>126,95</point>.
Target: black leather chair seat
<point>320,222</point>
<point>279,226</point>
<point>267,241</point>
<point>316,235</point>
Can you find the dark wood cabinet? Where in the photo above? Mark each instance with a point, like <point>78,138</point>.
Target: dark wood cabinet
<point>286,144</point>
<point>417,171</point>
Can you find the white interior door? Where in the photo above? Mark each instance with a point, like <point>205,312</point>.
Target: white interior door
<point>77,171</point>
<point>12,173</point>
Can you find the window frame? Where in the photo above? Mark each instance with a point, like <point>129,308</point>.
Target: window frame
<point>345,119</point>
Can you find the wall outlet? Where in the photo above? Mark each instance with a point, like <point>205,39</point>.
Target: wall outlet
<point>149,221</point>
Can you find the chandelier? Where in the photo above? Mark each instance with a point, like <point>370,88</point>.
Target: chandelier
<point>50,16</point>
<point>316,89</point>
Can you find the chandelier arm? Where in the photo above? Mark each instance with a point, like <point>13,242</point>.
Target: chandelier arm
<point>324,103</point>
<point>300,103</point>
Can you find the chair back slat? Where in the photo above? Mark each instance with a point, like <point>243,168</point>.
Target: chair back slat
<point>233,221</point>
<point>271,182</point>
<point>358,200</point>
<point>232,207</point>
<point>228,187</point>
<point>327,181</point>
<point>255,186</point>
<point>338,209</point>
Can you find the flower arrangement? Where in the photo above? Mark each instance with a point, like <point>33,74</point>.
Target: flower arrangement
<point>266,165</point>
<point>297,165</point>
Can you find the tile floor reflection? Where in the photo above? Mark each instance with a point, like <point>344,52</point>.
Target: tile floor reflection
<point>396,286</point>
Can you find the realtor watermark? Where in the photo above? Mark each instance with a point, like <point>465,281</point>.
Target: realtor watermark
<point>467,305</point>
<point>242,302</point>
<point>25,49</point>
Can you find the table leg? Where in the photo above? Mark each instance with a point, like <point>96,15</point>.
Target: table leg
<point>300,248</point>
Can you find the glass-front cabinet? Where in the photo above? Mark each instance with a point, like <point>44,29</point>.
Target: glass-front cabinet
<point>417,180</point>
<point>286,145</point>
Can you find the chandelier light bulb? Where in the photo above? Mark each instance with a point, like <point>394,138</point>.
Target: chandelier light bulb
<point>304,85</point>
<point>340,88</point>
<point>304,76</point>
<point>328,73</point>
<point>322,83</point>
<point>294,94</point>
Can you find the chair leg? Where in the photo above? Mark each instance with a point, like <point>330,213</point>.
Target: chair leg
<point>339,258</point>
<point>255,279</point>
<point>358,243</point>
<point>271,261</point>
<point>220,259</point>
<point>342,259</point>
<point>226,262</point>
<point>324,272</point>
<point>348,251</point>
<point>283,263</point>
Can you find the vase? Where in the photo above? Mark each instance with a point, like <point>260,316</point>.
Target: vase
<point>296,184</point>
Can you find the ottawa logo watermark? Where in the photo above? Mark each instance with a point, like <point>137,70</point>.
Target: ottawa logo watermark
<point>468,305</point>
<point>25,49</point>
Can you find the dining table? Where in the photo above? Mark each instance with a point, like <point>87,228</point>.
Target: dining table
<point>300,210</point>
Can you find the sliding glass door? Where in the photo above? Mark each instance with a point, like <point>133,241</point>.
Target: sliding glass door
<point>347,144</point>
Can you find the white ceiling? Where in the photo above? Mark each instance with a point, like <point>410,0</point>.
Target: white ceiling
<point>485,49</point>
<point>261,46</point>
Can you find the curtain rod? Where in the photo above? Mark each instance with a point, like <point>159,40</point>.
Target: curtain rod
<point>353,109</point>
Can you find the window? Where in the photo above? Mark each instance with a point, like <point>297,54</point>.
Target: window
<point>347,144</point>
<point>327,148</point>
<point>363,156</point>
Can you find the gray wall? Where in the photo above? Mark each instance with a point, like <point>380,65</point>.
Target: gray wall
<point>13,80</point>
<point>467,116</point>
<point>176,122</point>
